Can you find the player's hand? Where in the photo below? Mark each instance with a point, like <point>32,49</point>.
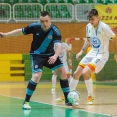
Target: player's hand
<point>1,35</point>
<point>115,57</point>
<point>78,56</point>
<point>52,59</point>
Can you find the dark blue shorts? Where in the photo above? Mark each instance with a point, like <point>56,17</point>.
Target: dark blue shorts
<point>38,61</point>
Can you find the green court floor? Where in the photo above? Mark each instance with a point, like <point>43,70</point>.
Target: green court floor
<point>12,107</point>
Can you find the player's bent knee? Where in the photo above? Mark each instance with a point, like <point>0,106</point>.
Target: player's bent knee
<point>63,74</point>
<point>36,76</point>
<point>86,75</point>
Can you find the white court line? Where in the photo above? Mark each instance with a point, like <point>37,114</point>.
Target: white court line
<point>60,106</point>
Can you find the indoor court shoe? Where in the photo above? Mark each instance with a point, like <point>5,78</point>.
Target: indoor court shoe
<point>60,99</point>
<point>26,106</point>
<point>70,104</point>
<point>90,100</point>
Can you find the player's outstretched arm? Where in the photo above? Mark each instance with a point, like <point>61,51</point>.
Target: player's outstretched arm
<point>86,44</point>
<point>115,44</point>
<point>16,32</point>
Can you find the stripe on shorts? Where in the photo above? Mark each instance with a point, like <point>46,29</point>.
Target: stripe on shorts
<point>92,66</point>
<point>81,65</point>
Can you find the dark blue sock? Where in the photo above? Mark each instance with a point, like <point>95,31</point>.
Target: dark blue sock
<point>65,87</point>
<point>30,89</point>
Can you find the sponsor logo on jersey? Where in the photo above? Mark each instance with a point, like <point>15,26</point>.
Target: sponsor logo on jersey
<point>50,37</point>
<point>96,42</point>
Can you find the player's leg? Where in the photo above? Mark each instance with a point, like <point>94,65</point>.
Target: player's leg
<point>61,73</point>
<point>54,79</point>
<point>89,85</point>
<point>78,71</point>
<point>96,65</point>
<point>82,70</point>
<point>31,88</point>
<point>64,84</point>
<point>37,65</point>
<point>62,98</point>
<point>74,81</point>
<point>65,64</point>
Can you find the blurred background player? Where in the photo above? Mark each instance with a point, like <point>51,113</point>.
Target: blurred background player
<point>65,60</point>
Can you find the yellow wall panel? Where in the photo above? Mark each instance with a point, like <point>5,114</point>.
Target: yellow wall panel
<point>17,79</point>
<point>4,69</point>
<point>11,68</point>
<point>4,63</point>
<point>10,56</point>
<point>4,77</point>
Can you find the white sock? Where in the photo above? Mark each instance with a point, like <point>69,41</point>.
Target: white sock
<point>73,83</point>
<point>54,80</point>
<point>69,79</point>
<point>89,86</point>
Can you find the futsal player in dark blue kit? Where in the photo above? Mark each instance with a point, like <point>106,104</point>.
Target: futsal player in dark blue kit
<point>45,35</point>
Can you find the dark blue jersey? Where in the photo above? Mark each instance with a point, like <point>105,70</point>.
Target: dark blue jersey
<point>43,41</point>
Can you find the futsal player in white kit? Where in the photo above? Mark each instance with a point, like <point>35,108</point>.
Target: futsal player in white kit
<point>63,57</point>
<point>98,36</point>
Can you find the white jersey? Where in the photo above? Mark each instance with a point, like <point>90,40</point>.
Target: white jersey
<point>63,54</point>
<point>99,37</point>
<point>98,55</point>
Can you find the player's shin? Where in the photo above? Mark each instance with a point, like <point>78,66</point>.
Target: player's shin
<point>73,84</point>
<point>30,89</point>
<point>65,88</point>
<point>89,86</point>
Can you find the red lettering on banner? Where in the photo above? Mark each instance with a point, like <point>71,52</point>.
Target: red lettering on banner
<point>115,18</point>
<point>102,18</point>
<point>106,18</point>
<point>110,18</point>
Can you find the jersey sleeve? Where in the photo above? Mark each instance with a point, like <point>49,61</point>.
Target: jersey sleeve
<point>109,32</point>
<point>67,47</point>
<point>57,36</point>
<point>28,29</point>
<point>87,31</point>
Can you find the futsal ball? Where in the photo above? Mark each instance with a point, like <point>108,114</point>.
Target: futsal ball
<point>73,97</point>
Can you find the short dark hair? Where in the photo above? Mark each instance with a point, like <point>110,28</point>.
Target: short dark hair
<point>44,13</point>
<point>91,13</point>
